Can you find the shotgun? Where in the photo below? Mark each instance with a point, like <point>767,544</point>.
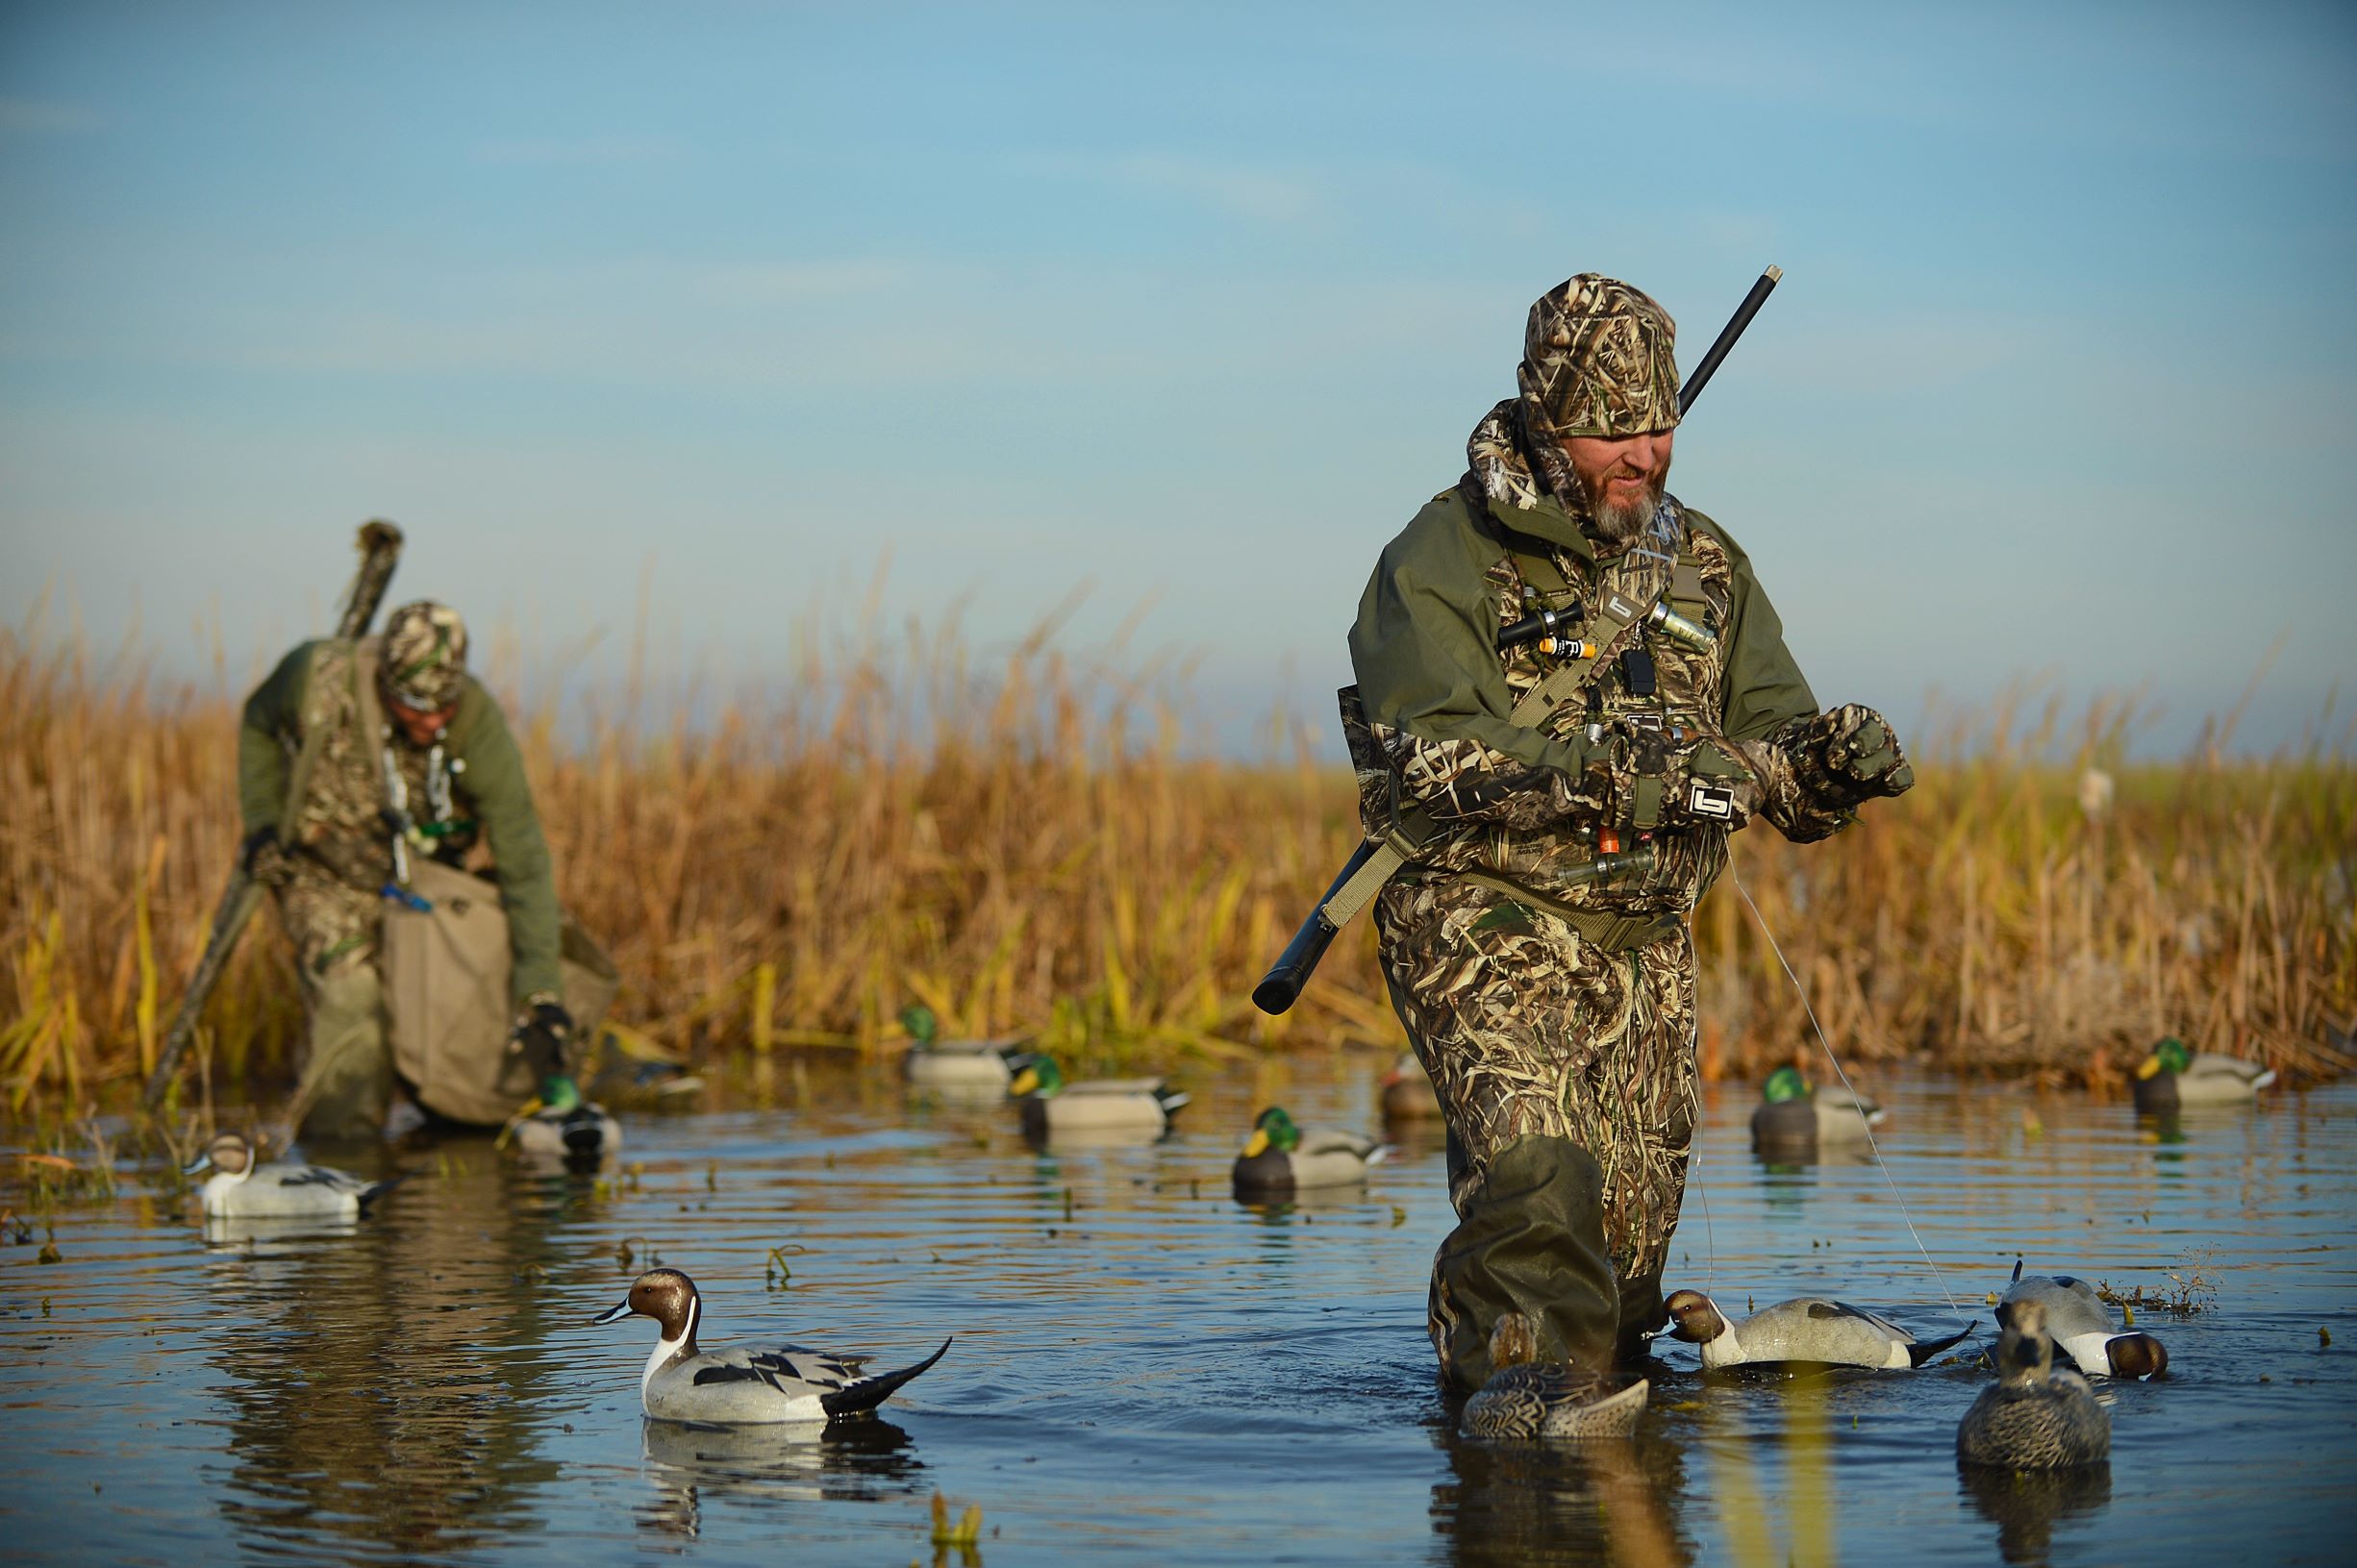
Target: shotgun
<point>1281,988</point>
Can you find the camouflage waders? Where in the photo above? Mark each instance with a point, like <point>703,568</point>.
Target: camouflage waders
<point>347,1073</point>
<point>1566,1073</point>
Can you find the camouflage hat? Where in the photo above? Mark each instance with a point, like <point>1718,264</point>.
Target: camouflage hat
<point>425,655</point>
<point>1596,360</point>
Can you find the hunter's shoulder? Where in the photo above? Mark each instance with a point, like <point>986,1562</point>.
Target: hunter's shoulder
<point>1443,532</point>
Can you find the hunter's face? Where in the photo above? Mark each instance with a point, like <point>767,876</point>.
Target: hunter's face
<point>1623,476</point>
<point>1623,470</point>
<point>420,728</point>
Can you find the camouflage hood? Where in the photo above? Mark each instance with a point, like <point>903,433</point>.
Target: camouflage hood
<point>1597,360</point>
<point>425,655</point>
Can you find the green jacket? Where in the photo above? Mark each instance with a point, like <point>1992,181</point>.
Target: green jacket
<point>339,828</point>
<point>1438,696</point>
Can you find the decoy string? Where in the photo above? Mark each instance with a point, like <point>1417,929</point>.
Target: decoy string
<point>1827,1045</point>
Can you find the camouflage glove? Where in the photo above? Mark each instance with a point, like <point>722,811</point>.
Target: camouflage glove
<point>1848,755</point>
<point>261,858</point>
<point>541,1034</point>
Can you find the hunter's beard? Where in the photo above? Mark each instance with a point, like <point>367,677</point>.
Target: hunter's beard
<point>1619,525</point>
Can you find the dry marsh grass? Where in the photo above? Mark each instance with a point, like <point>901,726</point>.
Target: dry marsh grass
<point>1050,859</point>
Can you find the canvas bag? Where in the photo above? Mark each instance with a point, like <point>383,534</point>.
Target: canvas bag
<point>447,973</point>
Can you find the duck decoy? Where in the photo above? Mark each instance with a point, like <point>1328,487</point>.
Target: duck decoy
<point>2037,1416</point>
<point>1142,1106</point>
<point>957,1066</point>
<point>1794,1116</point>
<point>1281,1159</point>
<point>240,1187</point>
<point>1407,1094</point>
<point>1526,1398</point>
<point>741,1387</point>
<point>2172,1075</point>
<point>2080,1325</point>
<point>578,1133</point>
<point>1805,1328</point>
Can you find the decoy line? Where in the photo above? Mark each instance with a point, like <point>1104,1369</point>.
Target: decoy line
<point>1807,1006</point>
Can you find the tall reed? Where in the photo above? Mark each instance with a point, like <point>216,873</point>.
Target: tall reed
<point>1032,848</point>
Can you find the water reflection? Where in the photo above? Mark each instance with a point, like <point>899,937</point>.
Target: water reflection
<point>689,1464</point>
<point>1616,1501</point>
<point>361,1406</point>
<point>2025,1505</point>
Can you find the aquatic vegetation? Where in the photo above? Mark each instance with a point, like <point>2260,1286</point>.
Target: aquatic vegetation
<point>1042,847</point>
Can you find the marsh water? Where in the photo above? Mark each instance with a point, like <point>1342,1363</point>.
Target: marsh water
<point>1144,1370</point>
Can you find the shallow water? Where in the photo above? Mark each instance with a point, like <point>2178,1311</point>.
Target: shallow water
<point>1145,1371</point>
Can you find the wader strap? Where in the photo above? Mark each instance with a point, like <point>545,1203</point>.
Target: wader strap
<point>1612,932</point>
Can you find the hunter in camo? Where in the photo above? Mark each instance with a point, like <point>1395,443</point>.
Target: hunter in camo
<point>464,783</point>
<point>1554,1007</point>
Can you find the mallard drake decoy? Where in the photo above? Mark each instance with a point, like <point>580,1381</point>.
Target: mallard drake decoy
<point>1407,1094</point>
<point>1112,1104</point>
<point>1805,1328</point>
<point>2080,1325</point>
<point>1280,1158</point>
<point>1524,1398</point>
<point>958,1066</point>
<point>241,1188</point>
<point>2038,1416</point>
<point>577,1131</point>
<point>2172,1075</point>
<point>1792,1115</point>
<point>741,1387</point>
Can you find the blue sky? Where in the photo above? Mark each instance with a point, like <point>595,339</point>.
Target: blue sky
<point>1194,305</point>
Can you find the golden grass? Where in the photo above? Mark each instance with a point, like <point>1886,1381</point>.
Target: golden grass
<point>1036,851</point>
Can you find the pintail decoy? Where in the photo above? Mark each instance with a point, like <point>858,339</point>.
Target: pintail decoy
<point>1407,1094</point>
<point>958,1066</point>
<point>742,1387</point>
<point>2037,1416</point>
<point>242,1188</point>
<point>1793,1115</point>
<point>2080,1325</point>
<point>1050,1105</point>
<point>1808,1328</point>
<point>1525,1397</point>
<point>1281,1159</point>
<point>2172,1075</point>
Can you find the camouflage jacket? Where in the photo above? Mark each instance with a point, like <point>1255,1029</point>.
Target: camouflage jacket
<point>1518,805</point>
<point>471,785</point>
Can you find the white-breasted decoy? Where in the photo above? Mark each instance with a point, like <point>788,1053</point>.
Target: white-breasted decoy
<point>743,1386</point>
<point>242,1187</point>
<point>2080,1325</point>
<point>1811,1329</point>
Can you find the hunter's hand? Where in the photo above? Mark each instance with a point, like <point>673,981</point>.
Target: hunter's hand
<point>261,857</point>
<point>542,1034</point>
<point>1861,749</point>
